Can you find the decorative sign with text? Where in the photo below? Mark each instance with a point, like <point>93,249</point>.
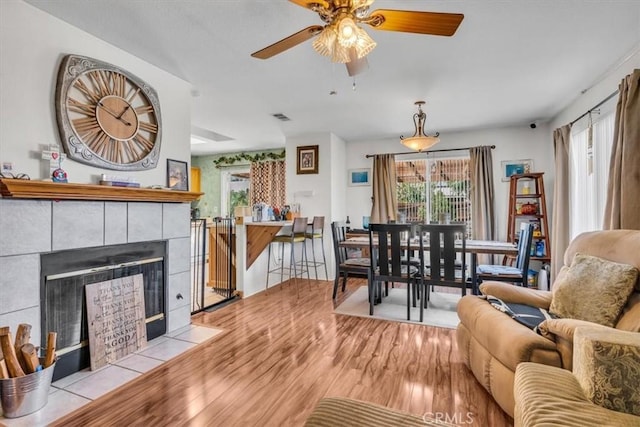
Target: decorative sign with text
<point>116,319</point>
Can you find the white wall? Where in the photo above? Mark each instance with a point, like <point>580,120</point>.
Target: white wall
<point>599,91</point>
<point>328,186</point>
<point>312,191</point>
<point>339,164</point>
<point>511,143</point>
<point>319,203</point>
<point>32,44</point>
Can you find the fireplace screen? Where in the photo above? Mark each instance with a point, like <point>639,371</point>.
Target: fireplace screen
<point>64,277</point>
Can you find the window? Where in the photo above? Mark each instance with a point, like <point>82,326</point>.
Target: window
<point>235,190</point>
<point>445,189</point>
<point>589,174</point>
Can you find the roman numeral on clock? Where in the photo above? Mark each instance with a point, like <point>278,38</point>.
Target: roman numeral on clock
<point>149,127</point>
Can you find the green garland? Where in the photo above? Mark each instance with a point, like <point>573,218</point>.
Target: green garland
<point>225,161</point>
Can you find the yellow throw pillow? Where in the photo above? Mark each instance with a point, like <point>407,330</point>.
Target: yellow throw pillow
<point>606,363</point>
<point>593,289</point>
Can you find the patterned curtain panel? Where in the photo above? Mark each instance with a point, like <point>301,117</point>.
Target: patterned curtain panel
<point>268,183</point>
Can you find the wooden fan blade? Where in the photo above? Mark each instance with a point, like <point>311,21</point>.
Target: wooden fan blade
<point>408,21</point>
<point>308,3</point>
<point>288,43</point>
<point>356,65</point>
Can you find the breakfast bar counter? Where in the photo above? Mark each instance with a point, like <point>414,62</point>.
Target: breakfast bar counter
<point>252,238</point>
<point>259,235</point>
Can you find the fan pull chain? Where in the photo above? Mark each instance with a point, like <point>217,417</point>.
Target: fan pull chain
<point>333,90</point>
<point>354,84</point>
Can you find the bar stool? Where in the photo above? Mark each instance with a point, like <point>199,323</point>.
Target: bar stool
<point>297,235</point>
<point>317,233</point>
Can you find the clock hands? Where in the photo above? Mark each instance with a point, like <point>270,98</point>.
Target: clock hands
<point>108,110</point>
<point>123,111</point>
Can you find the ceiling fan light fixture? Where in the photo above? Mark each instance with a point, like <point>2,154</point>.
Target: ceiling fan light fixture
<point>325,42</point>
<point>420,141</point>
<point>340,53</point>
<point>364,44</point>
<point>347,32</point>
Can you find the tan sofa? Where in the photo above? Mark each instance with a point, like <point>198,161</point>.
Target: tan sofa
<point>601,391</point>
<point>344,412</point>
<point>492,344</point>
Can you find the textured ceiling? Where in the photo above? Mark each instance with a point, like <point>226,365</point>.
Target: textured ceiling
<point>510,63</point>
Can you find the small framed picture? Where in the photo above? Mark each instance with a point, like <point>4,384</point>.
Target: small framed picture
<point>307,160</point>
<point>177,177</point>
<point>359,177</point>
<point>515,167</point>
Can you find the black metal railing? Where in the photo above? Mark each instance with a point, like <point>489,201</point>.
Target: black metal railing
<point>213,275</point>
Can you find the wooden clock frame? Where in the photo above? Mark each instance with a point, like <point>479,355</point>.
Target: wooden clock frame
<point>94,101</point>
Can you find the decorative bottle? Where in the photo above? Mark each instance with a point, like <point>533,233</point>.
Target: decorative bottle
<point>348,223</point>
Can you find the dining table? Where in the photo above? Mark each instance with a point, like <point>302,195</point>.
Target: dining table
<point>472,247</point>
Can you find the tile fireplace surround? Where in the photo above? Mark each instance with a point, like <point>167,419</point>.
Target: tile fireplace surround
<point>29,228</point>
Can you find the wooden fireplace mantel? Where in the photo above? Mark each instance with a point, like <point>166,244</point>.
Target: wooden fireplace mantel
<point>28,189</point>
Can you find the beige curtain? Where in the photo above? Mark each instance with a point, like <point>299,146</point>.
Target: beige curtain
<point>623,192</point>
<point>560,225</point>
<point>385,200</point>
<point>268,183</point>
<point>482,194</point>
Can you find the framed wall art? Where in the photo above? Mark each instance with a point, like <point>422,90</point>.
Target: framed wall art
<point>177,177</point>
<point>359,177</point>
<point>307,160</point>
<point>515,167</point>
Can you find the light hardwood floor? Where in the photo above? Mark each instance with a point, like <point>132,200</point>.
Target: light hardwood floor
<point>281,353</point>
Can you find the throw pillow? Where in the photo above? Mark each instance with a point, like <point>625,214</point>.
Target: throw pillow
<point>593,289</point>
<point>607,365</point>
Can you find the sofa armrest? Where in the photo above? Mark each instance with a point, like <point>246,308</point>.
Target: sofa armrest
<point>517,294</point>
<point>561,332</point>
<point>549,396</point>
<point>508,341</point>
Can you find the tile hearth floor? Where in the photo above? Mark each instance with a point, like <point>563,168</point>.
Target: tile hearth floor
<point>72,392</point>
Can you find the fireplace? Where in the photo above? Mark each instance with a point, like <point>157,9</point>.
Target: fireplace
<point>65,274</point>
<point>81,228</point>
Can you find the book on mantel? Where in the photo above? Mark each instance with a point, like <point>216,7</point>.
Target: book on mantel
<point>119,181</point>
<point>121,184</point>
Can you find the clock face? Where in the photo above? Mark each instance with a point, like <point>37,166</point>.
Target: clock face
<point>107,116</point>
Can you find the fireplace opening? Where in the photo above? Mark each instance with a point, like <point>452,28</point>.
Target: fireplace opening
<point>65,274</point>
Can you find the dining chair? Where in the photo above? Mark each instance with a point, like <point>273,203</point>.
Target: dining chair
<point>443,262</point>
<point>516,274</point>
<point>411,257</point>
<point>388,243</point>
<point>345,265</point>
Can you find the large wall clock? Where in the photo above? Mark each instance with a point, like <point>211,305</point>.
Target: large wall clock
<point>107,117</point>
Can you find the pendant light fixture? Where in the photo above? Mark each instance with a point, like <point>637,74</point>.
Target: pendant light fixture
<point>420,141</point>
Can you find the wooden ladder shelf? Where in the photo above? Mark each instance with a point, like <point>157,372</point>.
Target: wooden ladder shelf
<point>527,203</point>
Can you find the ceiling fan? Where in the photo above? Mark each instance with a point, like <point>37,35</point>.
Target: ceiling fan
<point>343,40</point>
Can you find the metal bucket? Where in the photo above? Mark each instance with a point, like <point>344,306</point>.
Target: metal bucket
<point>23,395</point>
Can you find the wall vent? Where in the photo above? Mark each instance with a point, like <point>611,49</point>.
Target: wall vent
<point>281,117</point>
